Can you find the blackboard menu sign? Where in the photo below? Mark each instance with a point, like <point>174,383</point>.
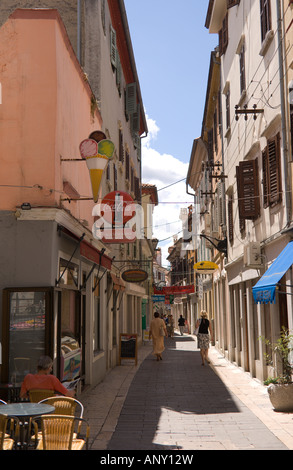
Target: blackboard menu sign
<point>128,347</point>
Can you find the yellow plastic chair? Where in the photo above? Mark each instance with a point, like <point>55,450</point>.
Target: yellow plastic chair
<point>36,395</point>
<point>7,443</point>
<point>58,432</point>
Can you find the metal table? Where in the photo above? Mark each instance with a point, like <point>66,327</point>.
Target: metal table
<point>24,411</point>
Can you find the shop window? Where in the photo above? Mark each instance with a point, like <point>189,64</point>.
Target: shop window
<point>25,338</point>
<point>68,273</point>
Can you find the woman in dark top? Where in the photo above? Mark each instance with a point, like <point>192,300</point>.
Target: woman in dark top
<point>203,337</point>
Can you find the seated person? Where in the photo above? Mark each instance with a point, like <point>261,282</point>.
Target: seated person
<point>43,379</point>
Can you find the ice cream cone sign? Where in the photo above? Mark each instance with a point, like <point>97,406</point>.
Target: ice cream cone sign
<point>97,156</point>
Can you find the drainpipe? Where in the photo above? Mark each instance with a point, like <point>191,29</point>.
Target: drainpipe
<point>283,113</point>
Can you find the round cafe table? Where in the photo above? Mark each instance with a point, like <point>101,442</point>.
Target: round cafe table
<point>24,411</point>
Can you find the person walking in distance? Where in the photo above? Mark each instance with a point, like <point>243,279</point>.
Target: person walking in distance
<point>157,332</point>
<point>203,337</point>
<point>181,324</point>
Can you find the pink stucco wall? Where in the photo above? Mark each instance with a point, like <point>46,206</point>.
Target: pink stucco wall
<point>44,115</point>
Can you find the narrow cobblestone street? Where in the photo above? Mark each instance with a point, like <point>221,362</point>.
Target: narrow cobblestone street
<point>177,404</point>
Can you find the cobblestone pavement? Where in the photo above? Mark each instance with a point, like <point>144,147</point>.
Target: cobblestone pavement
<point>177,404</point>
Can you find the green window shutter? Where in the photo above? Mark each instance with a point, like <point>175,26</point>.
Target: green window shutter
<point>118,72</point>
<point>131,104</point>
<point>113,47</point>
<point>135,120</point>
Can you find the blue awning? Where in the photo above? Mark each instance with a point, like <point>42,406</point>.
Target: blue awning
<point>264,290</point>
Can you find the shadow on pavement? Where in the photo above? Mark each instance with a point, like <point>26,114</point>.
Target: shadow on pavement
<point>164,394</point>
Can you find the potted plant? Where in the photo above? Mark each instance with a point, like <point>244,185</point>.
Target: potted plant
<point>280,389</point>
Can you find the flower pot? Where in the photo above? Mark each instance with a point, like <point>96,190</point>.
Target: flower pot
<point>281,396</point>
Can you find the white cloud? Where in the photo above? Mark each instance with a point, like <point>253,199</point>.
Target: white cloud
<point>163,170</point>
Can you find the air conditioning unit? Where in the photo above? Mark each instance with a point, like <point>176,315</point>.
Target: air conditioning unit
<point>252,255</point>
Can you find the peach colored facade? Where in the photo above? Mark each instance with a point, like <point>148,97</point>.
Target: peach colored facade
<point>45,113</point>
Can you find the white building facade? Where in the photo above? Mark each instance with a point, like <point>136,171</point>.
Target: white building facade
<point>258,174</point>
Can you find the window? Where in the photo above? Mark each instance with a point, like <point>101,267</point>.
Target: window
<point>131,102</point>
<point>211,146</point>
<point>248,190</point>
<point>228,121</point>
<point>127,166</point>
<point>115,178</point>
<point>242,69</point>
<point>272,187</point>
<point>265,18</point>
<point>230,219</point>
<point>223,36</point>
<point>113,48</point>
<point>121,149</point>
<point>25,331</point>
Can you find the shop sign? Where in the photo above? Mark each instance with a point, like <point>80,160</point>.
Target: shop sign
<point>158,298</point>
<point>205,267</point>
<point>135,275</point>
<point>175,290</point>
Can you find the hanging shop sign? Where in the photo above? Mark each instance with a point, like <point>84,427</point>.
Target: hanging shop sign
<point>205,267</point>
<point>175,290</point>
<point>135,275</point>
<point>97,156</point>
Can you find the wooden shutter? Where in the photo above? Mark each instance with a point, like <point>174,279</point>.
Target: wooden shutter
<point>131,103</point>
<point>137,189</point>
<point>265,181</point>
<point>230,219</point>
<point>135,120</point>
<point>115,178</point>
<point>248,193</point>
<point>274,170</point>
<point>223,36</point>
<point>113,47</point>
<point>127,166</point>
<point>121,149</point>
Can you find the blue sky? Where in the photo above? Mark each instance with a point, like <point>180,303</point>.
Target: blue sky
<point>172,51</point>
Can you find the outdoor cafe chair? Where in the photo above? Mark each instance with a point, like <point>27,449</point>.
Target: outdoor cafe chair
<point>66,406</point>
<point>36,395</point>
<point>57,433</point>
<point>2,402</point>
<point>7,443</point>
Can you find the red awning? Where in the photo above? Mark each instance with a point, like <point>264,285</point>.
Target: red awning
<point>91,253</point>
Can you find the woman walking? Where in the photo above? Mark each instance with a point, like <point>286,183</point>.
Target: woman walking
<point>157,333</point>
<point>203,338</point>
